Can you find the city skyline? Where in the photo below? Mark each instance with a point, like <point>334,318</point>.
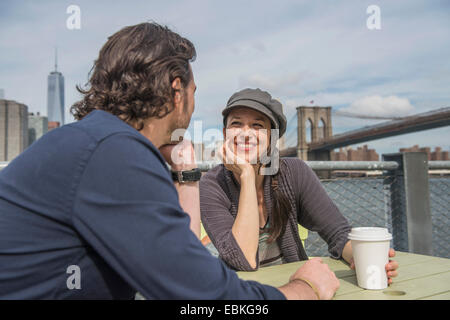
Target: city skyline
<point>299,51</point>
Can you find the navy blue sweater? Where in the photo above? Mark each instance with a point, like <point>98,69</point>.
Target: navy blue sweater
<point>96,197</point>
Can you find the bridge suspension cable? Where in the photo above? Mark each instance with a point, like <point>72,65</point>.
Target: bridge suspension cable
<point>291,139</point>
<point>291,131</point>
<point>363,116</point>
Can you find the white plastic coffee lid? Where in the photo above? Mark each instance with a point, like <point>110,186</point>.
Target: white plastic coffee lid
<point>370,234</point>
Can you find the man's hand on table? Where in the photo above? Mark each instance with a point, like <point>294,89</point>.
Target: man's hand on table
<point>314,280</point>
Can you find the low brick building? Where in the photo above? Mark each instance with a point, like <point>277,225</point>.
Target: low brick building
<point>437,154</point>
<point>360,154</point>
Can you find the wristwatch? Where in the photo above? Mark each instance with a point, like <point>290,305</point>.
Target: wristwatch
<point>187,176</point>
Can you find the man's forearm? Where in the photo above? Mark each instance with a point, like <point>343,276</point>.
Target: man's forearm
<point>189,196</point>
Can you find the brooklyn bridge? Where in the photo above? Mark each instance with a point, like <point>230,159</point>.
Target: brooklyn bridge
<point>316,122</point>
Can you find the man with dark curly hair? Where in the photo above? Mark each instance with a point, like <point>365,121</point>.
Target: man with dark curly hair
<point>91,211</point>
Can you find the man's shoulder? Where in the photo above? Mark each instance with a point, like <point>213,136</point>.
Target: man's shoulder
<point>104,128</point>
<point>100,124</point>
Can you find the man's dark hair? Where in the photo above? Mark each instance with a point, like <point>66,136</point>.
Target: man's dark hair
<point>132,77</point>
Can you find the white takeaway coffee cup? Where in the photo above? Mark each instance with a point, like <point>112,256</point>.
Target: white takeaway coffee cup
<point>371,254</point>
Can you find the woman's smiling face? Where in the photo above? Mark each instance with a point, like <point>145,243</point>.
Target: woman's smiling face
<point>247,133</point>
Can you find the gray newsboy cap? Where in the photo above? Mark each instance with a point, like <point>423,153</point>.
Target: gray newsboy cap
<point>260,101</point>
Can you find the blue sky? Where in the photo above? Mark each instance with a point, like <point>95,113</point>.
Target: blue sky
<point>297,50</point>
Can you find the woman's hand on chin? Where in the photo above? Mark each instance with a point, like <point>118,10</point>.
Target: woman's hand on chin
<point>235,163</point>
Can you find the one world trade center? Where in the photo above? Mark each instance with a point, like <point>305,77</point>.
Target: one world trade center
<point>55,95</point>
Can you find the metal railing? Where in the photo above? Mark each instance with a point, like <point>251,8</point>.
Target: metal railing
<point>332,165</point>
<point>348,165</point>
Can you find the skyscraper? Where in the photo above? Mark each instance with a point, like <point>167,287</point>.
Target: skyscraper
<point>37,127</point>
<point>55,95</point>
<point>13,129</point>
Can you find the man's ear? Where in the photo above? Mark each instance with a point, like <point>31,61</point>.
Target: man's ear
<point>177,87</point>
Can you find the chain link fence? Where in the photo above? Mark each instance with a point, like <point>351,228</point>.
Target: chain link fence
<point>376,202</point>
<point>440,215</point>
<point>362,201</point>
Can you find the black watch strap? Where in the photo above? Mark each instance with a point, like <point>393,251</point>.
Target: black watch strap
<point>187,176</point>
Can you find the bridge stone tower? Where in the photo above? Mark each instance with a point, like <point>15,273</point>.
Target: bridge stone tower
<point>319,119</point>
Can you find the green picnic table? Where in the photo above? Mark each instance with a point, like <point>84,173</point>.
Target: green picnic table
<point>419,277</point>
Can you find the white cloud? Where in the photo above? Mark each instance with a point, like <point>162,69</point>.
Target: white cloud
<point>381,106</point>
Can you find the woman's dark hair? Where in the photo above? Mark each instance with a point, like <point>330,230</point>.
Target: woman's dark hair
<point>132,77</point>
<point>280,210</point>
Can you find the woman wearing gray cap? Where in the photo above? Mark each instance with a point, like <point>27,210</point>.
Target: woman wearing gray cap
<point>252,217</point>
